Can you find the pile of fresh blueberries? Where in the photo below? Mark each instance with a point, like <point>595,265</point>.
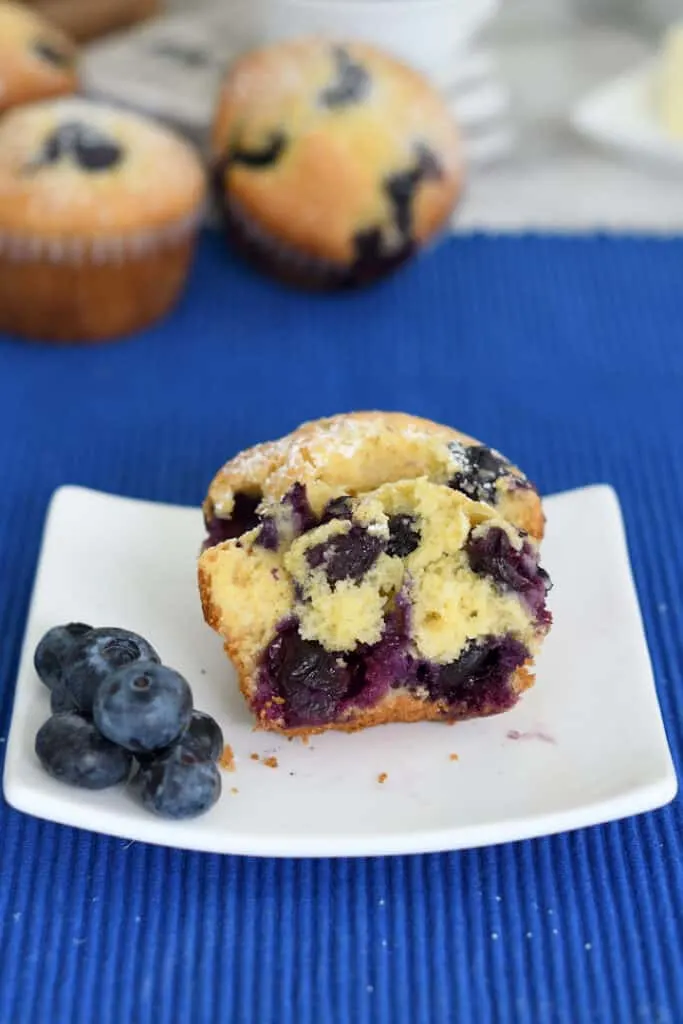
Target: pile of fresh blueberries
<point>120,715</point>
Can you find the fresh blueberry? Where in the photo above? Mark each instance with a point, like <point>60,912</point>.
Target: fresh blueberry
<point>404,535</point>
<point>99,653</point>
<point>144,706</point>
<point>62,700</point>
<point>55,649</point>
<point>71,749</point>
<point>346,556</point>
<point>204,736</point>
<point>178,784</point>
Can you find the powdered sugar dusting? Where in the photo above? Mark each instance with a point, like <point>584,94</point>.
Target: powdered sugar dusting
<point>304,454</point>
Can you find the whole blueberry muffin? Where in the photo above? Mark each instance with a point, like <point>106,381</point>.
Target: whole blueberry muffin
<point>333,162</point>
<point>98,216</point>
<point>373,568</point>
<point>37,60</point>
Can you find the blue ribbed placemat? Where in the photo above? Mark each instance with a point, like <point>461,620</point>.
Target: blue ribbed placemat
<point>568,355</point>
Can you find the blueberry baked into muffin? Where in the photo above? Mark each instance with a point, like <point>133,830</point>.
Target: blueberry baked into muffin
<point>88,248</point>
<point>373,568</point>
<point>333,162</point>
<point>37,60</point>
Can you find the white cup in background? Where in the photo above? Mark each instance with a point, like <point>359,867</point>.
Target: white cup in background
<point>429,34</point>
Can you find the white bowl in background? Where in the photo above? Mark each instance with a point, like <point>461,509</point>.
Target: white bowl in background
<point>425,33</point>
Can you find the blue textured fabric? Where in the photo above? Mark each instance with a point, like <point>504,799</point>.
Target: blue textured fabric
<point>568,354</point>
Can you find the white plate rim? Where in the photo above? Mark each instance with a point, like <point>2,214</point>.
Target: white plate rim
<point>639,798</point>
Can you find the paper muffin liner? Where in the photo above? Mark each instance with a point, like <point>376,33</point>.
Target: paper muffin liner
<point>112,249</point>
<point>267,252</point>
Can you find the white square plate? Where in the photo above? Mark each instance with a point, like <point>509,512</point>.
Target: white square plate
<point>620,115</point>
<point>586,745</point>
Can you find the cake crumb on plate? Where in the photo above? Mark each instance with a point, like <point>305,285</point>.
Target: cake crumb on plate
<point>269,762</point>
<point>453,757</point>
<point>382,777</point>
<point>227,759</point>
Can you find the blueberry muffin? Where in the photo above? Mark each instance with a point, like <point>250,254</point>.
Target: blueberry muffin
<point>98,215</point>
<point>37,60</point>
<point>333,162</point>
<point>373,568</point>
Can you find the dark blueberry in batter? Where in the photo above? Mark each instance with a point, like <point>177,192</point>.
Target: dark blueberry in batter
<point>351,85</point>
<point>372,256</point>
<point>242,519</point>
<point>492,554</point>
<point>267,155</point>
<point>52,54</point>
<point>311,680</point>
<point>369,246</point>
<point>372,260</point>
<point>401,187</point>
<point>337,508</point>
<point>268,535</point>
<point>404,535</point>
<point>482,468</point>
<point>303,517</point>
<point>87,146</point>
<point>346,556</point>
<point>480,679</point>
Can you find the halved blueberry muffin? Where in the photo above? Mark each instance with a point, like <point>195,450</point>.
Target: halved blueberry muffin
<point>405,602</point>
<point>353,453</point>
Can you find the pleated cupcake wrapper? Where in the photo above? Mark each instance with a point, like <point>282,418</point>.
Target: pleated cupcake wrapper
<point>114,249</point>
<point>282,252</point>
<point>273,247</point>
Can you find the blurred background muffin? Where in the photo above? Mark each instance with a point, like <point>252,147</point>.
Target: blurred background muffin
<point>333,162</point>
<point>98,215</point>
<point>37,59</point>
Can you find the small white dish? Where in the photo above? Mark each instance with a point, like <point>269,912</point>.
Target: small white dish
<point>620,116</point>
<point>585,745</point>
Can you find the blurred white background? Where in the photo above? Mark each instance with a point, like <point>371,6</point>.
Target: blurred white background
<point>513,84</point>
